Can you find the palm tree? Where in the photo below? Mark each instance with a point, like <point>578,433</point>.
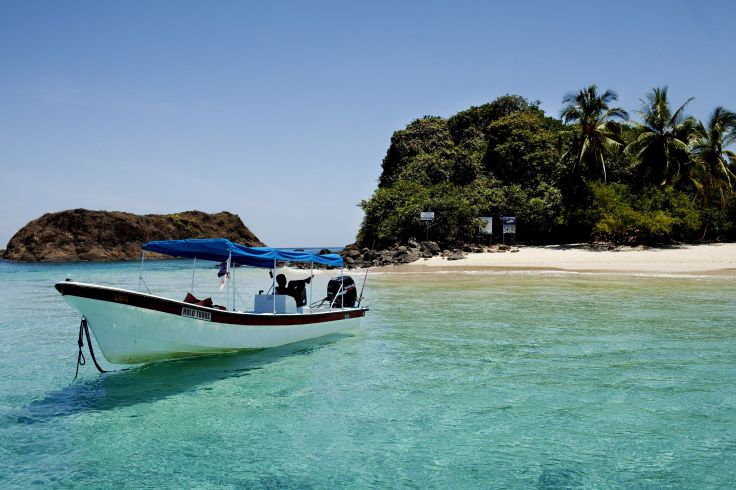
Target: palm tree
<point>712,172</point>
<point>595,135</point>
<point>662,144</point>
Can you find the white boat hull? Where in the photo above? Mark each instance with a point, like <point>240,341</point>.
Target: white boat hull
<point>130,327</point>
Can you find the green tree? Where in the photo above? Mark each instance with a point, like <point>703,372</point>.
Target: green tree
<point>654,215</point>
<point>392,214</point>
<point>423,136</point>
<point>712,172</point>
<point>595,135</point>
<point>428,169</point>
<point>470,126</point>
<point>661,148</point>
<point>465,169</point>
<point>522,150</point>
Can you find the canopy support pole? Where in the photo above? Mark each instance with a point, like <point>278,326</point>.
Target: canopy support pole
<point>140,273</point>
<point>342,287</point>
<point>232,277</point>
<point>194,264</point>
<point>227,277</point>
<point>140,269</point>
<point>273,285</point>
<point>311,282</point>
<point>360,299</point>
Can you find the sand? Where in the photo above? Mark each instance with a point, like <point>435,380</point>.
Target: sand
<point>712,259</point>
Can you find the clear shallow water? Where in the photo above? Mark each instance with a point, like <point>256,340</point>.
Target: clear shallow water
<point>454,381</point>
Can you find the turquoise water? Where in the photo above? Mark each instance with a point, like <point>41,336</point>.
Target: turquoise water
<point>495,380</point>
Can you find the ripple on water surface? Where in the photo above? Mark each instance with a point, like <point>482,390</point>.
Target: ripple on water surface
<point>468,380</point>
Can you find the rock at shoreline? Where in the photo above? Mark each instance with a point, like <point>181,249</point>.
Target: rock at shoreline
<point>455,255</point>
<point>83,235</point>
<point>412,251</point>
<point>398,254</point>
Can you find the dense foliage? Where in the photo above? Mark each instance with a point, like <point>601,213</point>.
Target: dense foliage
<point>592,174</point>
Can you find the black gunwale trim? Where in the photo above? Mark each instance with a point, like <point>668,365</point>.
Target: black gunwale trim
<point>173,307</point>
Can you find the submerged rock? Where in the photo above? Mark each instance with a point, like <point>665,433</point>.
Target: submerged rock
<point>81,234</point>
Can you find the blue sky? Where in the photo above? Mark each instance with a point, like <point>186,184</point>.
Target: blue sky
<point>281,112</point>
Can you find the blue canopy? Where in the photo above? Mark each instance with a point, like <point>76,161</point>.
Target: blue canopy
<point>220,249</point>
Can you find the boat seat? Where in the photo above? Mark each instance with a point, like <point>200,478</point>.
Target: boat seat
<point>190,298</point>
<point>264,303</point>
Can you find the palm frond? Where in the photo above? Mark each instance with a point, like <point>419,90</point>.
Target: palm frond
<point>680,110</point>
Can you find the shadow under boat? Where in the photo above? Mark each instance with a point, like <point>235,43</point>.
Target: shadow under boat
<point>155,381</point>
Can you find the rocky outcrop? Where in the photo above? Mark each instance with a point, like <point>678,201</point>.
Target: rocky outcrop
<point>412,251</point>
<point>83,235</point>
<point>407,253</point>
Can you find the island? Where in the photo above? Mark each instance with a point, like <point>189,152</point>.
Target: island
<point>85,235</point>
<point>590,174</point>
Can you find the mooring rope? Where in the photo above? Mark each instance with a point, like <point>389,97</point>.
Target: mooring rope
<point>81,360</point>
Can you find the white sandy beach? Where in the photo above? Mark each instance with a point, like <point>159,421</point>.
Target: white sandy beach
<point>712,259</point>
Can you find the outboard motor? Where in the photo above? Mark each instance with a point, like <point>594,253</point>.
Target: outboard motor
<point>345,298</point>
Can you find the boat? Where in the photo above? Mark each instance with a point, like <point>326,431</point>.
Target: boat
<point>132,327</point>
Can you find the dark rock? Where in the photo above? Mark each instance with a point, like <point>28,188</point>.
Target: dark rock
<point>413,243</point>
<point>455,255</point>
<point>412,256</point>
<point>353,253</point>
<point>401,250</point>
<point>324,251</point>
<point>80,234</point>
<point>349,261</point>
<point>432,247</point>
